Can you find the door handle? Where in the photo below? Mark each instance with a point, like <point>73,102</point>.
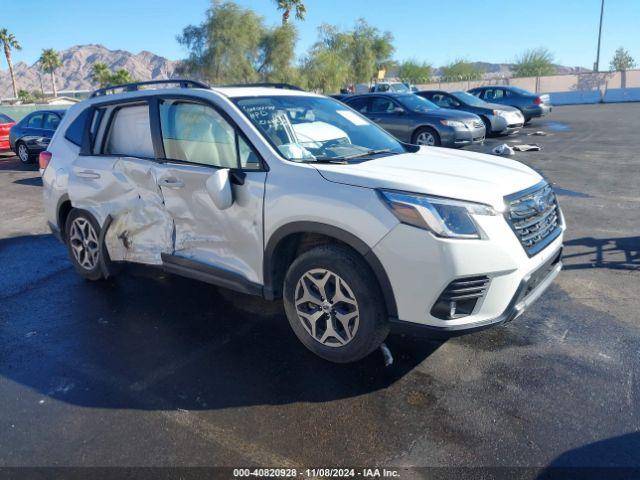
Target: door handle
<point>88,174</point>
<point>171,182</point>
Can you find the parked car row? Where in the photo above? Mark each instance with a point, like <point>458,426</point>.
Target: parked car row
<point>449,119</point>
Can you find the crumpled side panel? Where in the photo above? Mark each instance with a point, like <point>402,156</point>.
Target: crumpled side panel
<point>141,229</point>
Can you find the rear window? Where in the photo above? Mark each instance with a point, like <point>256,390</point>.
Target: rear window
<point>5,119</point>
<point>76,129</point>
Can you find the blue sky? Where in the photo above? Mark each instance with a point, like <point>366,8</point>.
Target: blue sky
<point>437,31</point>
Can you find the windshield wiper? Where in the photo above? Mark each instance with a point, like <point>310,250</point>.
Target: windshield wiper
<point>368,153</point>
<point>340,160</point>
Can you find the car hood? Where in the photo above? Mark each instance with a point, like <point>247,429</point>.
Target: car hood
<point>438,171</point>
<point>498,106</point>
<point>448,114</point>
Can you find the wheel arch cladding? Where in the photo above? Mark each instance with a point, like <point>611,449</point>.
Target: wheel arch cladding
<point>283,245</point>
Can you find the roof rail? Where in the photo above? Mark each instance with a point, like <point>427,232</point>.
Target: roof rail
<point>286,86</point>
<point>132,87</point>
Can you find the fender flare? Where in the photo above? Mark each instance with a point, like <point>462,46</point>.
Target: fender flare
<point>339,234</point>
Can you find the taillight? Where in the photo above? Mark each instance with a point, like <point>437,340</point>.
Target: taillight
<point>44,158</point>
<point>538,101</point>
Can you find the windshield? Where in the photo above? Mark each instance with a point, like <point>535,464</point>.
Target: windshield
<point>469,99</point>
<point>416,103</point>
<point>306,128</point>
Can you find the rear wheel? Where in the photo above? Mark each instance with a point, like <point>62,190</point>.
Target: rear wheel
<point>426,136</point>
<point>82,234</point>
<point>333,304</point>
<point>23,153</point>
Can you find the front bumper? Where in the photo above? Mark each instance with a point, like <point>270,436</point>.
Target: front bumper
<point>460,138</point>
<point>420,266</point>
<point>530,289</point>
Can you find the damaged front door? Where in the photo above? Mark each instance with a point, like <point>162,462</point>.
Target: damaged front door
<point>198,141</point>
<point>117,183</point>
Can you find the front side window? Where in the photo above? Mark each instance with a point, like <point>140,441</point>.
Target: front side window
<point>197,133</point>
<point>310,128</point>
<point>35,121</point>
<point>130,133</point>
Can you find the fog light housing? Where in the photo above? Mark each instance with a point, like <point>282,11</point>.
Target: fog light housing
<point>460,297</point>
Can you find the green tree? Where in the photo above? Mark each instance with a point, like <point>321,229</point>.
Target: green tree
<point>101,74</point>
<point>413,72</point>
<point>370,50</point>
<point>460,70</point>
<point>277,52</point>
<point>622,60</point>
<point>534,63</point>
<point>9,42</point>
<point>24,96</point>
<point>225,48</point>
<point>49,62</point>
<point>121,76</point>
<point>287,6</point>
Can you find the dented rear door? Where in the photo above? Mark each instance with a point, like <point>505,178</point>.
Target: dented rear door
<point>118,183</point>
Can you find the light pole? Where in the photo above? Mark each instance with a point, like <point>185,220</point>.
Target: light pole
<point>596,66</point>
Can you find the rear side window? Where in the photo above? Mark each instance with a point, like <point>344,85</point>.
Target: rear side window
<point>75,130</point>
<point>51,121</point>
<point>130,133</point>
<point>359,104</point>
<point>35,121</point>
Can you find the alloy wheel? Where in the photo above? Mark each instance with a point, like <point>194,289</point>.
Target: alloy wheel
<point>327,308</point>
<point>426,138</point>
<point>23,153</point>
<point>84,243</point>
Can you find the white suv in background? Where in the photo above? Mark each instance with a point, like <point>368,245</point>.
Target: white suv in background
<point>287,194</point>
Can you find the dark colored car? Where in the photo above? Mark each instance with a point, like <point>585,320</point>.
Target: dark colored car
<point>498,119</point>
<point>530,104</point>
<point>413,119</point>
<point>32,134</point>
<point>6,123</point>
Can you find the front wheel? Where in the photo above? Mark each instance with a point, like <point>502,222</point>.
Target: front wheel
<point>334,305</point>
<point>426,136</point>
<point>23,154</point>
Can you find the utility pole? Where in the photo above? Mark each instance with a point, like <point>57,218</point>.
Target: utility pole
<point>596,66</point>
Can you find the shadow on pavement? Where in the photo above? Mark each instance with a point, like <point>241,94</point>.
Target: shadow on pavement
<point>613,458</point>
<point>615,253</point>
<point>13,163</point>
<point>147,340</point>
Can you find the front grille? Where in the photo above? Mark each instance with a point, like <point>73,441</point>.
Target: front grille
<point>460,297</point>
<point>534,216</point>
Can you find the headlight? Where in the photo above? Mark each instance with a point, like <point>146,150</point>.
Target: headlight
<point>453,123</point>
<point>442,216</point>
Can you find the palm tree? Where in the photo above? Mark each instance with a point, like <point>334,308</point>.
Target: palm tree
<point>49,61</point>
<point>287,5</point>
<point>101,74</point>
<point>9,42</point>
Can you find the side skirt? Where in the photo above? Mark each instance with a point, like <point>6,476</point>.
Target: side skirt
<point>209,274</point>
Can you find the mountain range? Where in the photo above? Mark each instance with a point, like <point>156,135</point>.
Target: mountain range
<point>76,69</point>
<point>78,61</point>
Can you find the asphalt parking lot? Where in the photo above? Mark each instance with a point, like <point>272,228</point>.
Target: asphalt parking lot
<point>147,369</point>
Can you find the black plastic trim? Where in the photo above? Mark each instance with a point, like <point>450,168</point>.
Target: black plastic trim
<point>209,274</point>
<point>335,232</point>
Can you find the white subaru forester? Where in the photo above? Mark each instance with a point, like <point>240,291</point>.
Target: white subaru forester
<point>287,194</point>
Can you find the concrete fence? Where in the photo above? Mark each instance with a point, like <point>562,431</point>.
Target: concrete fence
<point>564,89</point>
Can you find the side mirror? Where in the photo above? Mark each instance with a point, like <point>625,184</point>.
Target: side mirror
<point>398,111</point>
<point>219,188</point>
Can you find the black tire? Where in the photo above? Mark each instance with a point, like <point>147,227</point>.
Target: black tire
<point>22,151</point>
<point>488,132</point>
<point>92,269</point>
<point>432,131</point>
<point>372,327</point>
